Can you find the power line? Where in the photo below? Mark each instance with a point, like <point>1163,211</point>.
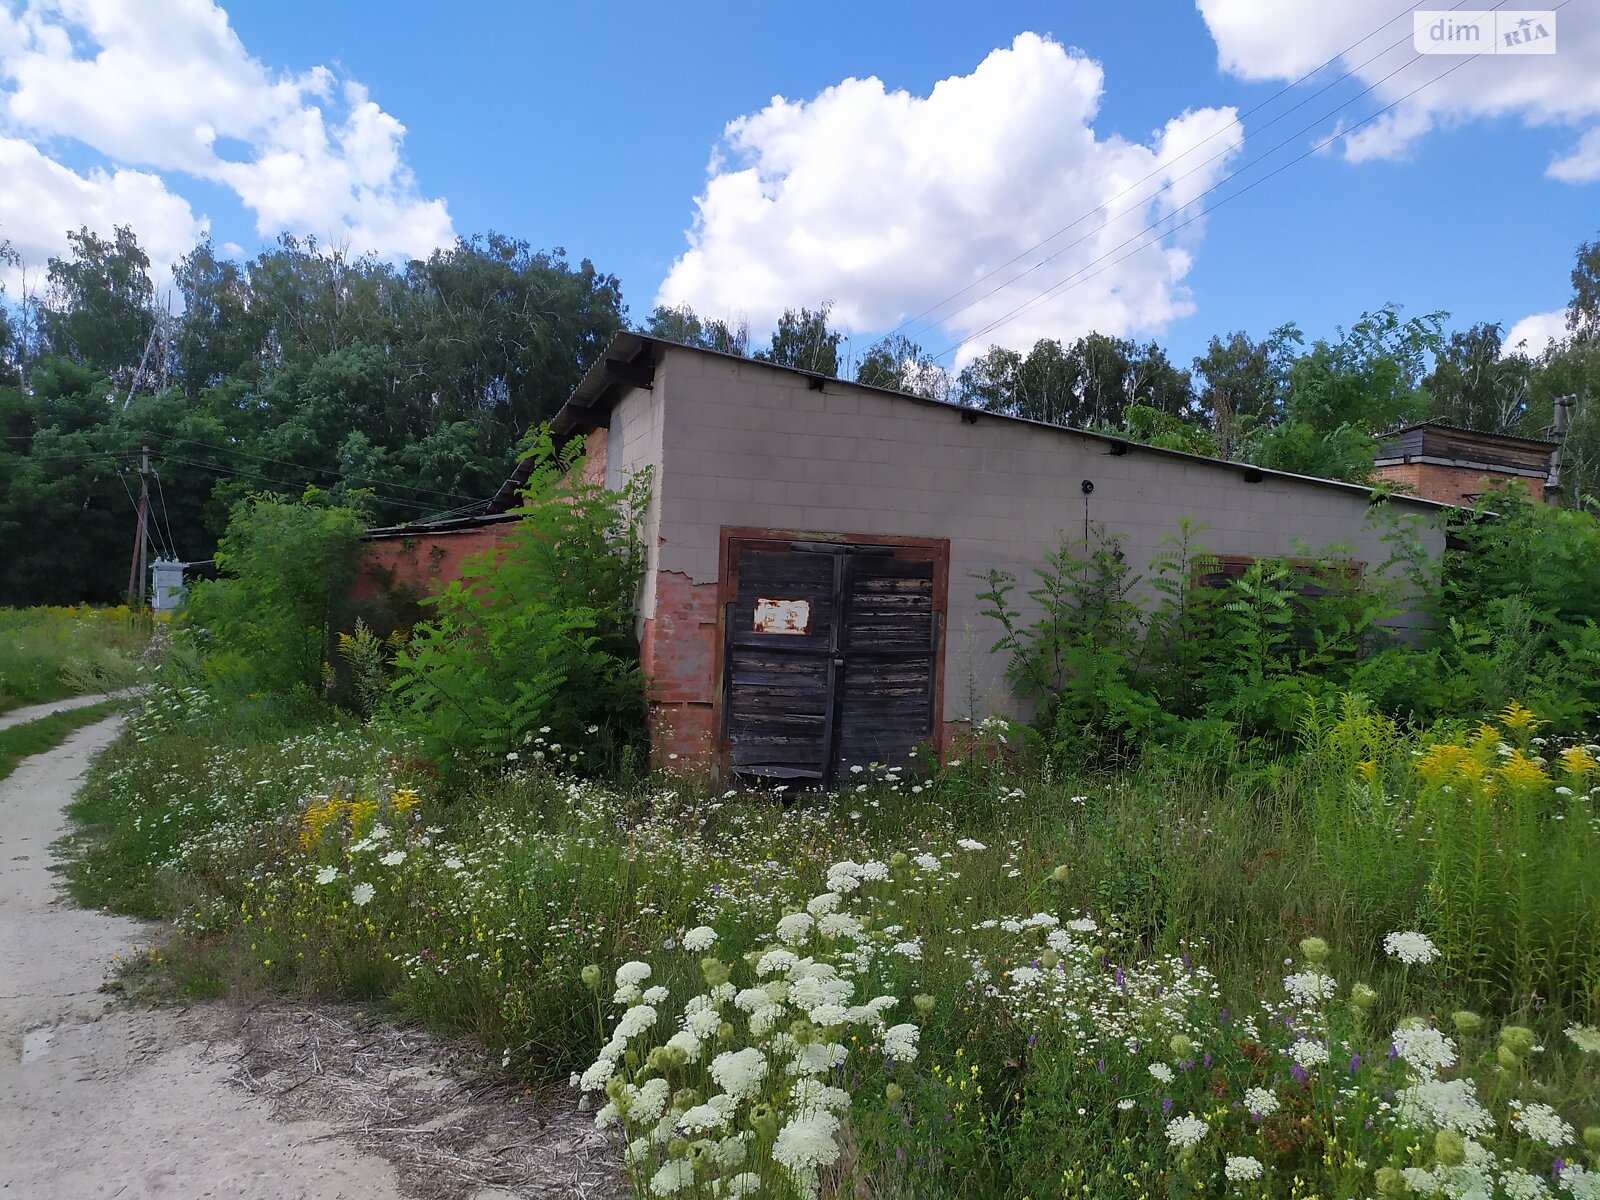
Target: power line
<point>1079,275</point>
<point>205,466</point>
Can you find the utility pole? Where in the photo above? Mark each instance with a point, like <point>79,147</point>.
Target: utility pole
<point>136,569</point>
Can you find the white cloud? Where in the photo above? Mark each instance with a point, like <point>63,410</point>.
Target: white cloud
<point>885,202</point>
<point>41,200</point>
<point>1266,40</point>
<point>1534,333</point>
<point>166,86</point>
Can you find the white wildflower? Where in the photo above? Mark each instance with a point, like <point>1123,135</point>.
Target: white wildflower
<point>1161,1072</point>
<point>821,906</point>
<point>634,973</point>
<point>739,1072</point>
<point>635,1021</point>
<point>1309,1053</point>
<point>1185,1131</point>
<point>1585,1037</point>
<point>1410,948</point>
<point>1242,1167</point>
<point>1542,1123</point>
<point>807,1140</point>
<point>1310,987</point>
<point>675,1175</point>
<point>911,950</point>
<point>900,1042</point>
<point>362,895</point>
<point>1260,1101</point>
<point>1424,1047</point>
<point>795,928</point>
<point>327,874</point>
<point>699,938</point>
<point>657,995</point>
<point>970,844</point>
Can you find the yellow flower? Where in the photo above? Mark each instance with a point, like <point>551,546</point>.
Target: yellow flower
<point>1520,772</point>
<point>1575,760</point>
<point>1520,718</point>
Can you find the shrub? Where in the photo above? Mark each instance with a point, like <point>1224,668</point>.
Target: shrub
<point>286,567</point>
<point>533,651</point>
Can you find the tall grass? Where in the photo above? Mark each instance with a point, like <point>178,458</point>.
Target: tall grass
<point>52,653</point>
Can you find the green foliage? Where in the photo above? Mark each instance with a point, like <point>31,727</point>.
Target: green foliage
<point>537,636</point>
<point>46,653</point>
<point>804,341</point>
<point>285,569</point>
<point>1197,654</point>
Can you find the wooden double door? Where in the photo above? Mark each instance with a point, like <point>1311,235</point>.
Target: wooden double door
<point>831,655</point>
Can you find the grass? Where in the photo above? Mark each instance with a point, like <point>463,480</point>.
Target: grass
<point>328,859</point>
<point>53,653</point>
<point>46,733</point>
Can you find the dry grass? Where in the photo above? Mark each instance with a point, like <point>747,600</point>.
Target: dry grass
<point>440,1113</point>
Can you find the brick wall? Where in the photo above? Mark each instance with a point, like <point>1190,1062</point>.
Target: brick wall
<point>1452,485</point>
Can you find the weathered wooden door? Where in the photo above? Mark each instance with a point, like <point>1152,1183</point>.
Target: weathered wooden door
<point>830,659</point>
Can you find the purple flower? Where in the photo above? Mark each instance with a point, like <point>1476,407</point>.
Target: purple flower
<point>1100,1065</point>
<point>1355,1062</point>
<point>1166,1107</point>
<point>1298,1072</point>
<point>1208,1060</point>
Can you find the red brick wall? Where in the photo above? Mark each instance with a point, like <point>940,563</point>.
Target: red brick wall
<point>1452,485</point>
<point>423,564</point>
<point>679,652</point>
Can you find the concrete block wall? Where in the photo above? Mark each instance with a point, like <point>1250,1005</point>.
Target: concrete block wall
<point>736,443</point>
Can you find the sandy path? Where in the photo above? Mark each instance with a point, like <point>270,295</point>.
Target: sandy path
<point>21,716</point>
<point>101,1102</point>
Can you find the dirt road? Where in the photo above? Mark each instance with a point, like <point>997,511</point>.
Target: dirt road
<point>97,1101</point>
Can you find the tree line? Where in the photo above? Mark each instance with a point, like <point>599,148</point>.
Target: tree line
<point>406,389</point>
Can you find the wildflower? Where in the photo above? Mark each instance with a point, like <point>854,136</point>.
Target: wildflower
<point>1162,1072</point>
<point>362,895</point>
<point>969,844</point>
<point>1310,987</point>
<point>1309,1053</point>
<point>1314,949</point>
<point>1126,1104</point>
<point>327,874</point>
<point>900,1042</point>
<point>795,928</point>
<point>926,1004</point>
<point>590,976</point>
<point>1362,997</point>
<point>1181,1046</point>
<point>1260,1101</point>
<point>1466,1023</point>
<point>1389,1182</point>
<point>635,1021</point>
<point>911,950</point>
<point>739,1072</point>
<point>699,938</point>
<point>1518,1039</point>
<point>1543,1124</point>
<point>1444,1104</point>
<point>1585,1037</point>
<point>1424,1047</point>
<point>1185,1132</point>
<point>1242,1167</point>
<point>1410,948</point>
<point>394,858</point>
<point>674,1175</point>
<point>632,973</point>
<point>807,1141</point>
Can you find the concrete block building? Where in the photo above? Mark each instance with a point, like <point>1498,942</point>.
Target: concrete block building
<point>814,546</point>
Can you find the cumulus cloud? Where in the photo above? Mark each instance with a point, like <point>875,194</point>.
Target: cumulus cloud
<point>885,202</point>
<point>1270,40</point>
<point>1534,333</point>
<point>164,89</point>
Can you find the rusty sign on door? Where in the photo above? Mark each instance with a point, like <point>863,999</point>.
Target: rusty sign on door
<point>783,616</point>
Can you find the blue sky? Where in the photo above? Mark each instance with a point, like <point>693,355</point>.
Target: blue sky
<point>592,127</point>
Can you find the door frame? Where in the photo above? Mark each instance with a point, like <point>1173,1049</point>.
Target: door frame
<point>735,537</point>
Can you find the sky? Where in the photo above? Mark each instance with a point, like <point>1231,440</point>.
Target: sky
<point>963,174</point>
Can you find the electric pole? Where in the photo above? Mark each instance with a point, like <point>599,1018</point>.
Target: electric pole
<point>136,569</point>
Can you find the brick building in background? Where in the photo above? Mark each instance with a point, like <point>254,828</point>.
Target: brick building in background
<point>1456,466</point>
